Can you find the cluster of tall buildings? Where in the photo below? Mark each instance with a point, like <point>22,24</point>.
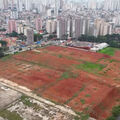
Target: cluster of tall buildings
<point>102,28</point>
<point>59,4</point>
<point>112,5</point>
<point>29,5</point>
<point>75,26</point>
<point>72,26</point>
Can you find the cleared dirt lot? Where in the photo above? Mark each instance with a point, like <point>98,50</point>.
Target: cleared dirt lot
<point>84,80</point>
<point>17,106</point>
<point>7,96</point>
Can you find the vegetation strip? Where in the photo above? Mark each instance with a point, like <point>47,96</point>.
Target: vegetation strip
<point>91,67</point>
<point>108,51</point>
<point>10,115</point>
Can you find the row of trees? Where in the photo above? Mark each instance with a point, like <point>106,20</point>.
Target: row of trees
<point>3,48</point>
<point>2,29</point>
<point>20,36</point>
<point>113,40</point>
<point>52,36</point>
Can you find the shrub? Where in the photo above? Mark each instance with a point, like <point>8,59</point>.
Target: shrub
<point>116,111</point>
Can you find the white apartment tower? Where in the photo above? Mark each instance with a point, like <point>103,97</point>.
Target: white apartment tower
<point>51,26</point>
<point>61,28</point>
<point>112,5</point>
<point>92,4</point>
<point>28,5</point>
<point>5,4</point>
<point>20,5</point>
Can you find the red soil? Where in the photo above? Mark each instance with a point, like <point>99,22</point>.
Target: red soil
<point>79,54</point>
<point>47,60</point>
<point>117,55</point>
<point>111,99</point>
<point>41,72</point>
<point>63,90</point>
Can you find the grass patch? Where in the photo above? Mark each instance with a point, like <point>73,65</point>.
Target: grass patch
<point>91,67</point>
<point>10,115</point>
<point>5,58</point>
<point>16,53</point>
<point>87,109</point>
<point>67,75</point>
<point>82,101</point>
<point>112,60</point>
<point>25,100</point>
<point>108,51</point>
<point>83,116</point>
<point>81,89</point>
<point>87,95</point>
<point>60,56</point>
<point>76,118</point>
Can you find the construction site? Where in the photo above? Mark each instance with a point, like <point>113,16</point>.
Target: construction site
<point>82,81</point>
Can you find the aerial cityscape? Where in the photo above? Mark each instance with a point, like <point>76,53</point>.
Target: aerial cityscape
<point>59,59</point>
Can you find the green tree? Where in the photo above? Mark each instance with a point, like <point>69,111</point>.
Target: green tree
<point>1,52</point>
<point>111,118</point>
<point>22,37</point>
<point>52,36</point>
<point>4,43</point>
<point>65,37</point>
<point>13,34</point>
<point>113,40</point>
<point>2,30</point>
<point>37,37</point>
<point>116,111</point>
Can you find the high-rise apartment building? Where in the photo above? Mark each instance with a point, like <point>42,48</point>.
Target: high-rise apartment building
<point>30,37</point>
<point>78,27</point>
<point>20,5</point>
<point>92,4</point>
<point>102,27</point>
<point>70,26</point>
<point>51,26</point>
<point>12,26</point>
<point>58,5</point>
<point>14,14</point>
<point>28,5</point>
<point>5,4</point>
<point>38,24</point>
<point>61,28</point>
<point>112,5</point>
